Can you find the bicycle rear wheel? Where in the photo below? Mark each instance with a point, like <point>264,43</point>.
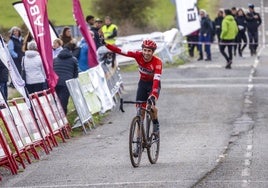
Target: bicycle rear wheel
<point>135,142</point>
<point>153,141</point>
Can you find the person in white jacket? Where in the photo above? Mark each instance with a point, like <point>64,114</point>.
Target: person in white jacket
<point>32,64</point>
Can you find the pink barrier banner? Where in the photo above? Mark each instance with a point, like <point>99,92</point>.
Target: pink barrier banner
<point>81,23</point>
<point>37,13</point>
<point>19,7</point>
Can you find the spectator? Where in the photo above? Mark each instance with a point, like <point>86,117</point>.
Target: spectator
<point>192,40</point>
<point>109,31</point>
<point>15,47</point>
<point>75,50</point>
<point>234,13</point>
<point>242,26</point>
<point>3,80</point>
<point>57,47</point>
<point>253,22</point>
<point>90,21</point>
<point>66,35</point>
<point>228,34</point>
<point>35,74</point>
<point>65,66</point>
<point>83,56</point>
<point>205,35</point>
<point>96,29</point>
<point>217,24</point>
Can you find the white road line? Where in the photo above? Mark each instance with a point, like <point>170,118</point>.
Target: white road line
<point>249,147</point>
<point>211,66</point>
<point>249,150</point>
<point>245,172</point>
<point>247,162</point>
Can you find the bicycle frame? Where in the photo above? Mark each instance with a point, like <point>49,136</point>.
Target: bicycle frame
<point>141,116</point>
<point>145,137</point>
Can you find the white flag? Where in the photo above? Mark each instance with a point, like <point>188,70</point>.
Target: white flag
<point>187,16</point>
<point>19,7</point>
<point>7,60</point>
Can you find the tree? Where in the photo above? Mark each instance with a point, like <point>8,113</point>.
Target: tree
<point>136,12</point>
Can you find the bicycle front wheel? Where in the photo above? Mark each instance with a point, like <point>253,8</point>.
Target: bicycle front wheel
<point>135,142</point>
<point>153,141</point>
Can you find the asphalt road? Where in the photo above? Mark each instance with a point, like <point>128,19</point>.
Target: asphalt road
<point>207,115</point>
<point>213,134</point>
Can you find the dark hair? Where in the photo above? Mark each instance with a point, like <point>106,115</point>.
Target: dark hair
<point>251,6</point>
<point>89,17</point>
<point>241,11</point>
<point>70,45</point>
<point>227,12</point>
<point>64,30</point>
<point>233,8</point>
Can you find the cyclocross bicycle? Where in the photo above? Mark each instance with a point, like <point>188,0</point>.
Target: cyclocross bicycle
<point>141,134</point>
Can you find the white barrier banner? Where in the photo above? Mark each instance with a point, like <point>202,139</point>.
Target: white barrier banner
<point>99,82</point>
<point>79,100</point>
<point>187,16</point>
<point>18,6</point>
<point>93,102</point>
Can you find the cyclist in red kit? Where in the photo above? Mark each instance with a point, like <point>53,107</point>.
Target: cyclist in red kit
<point>150,68</point>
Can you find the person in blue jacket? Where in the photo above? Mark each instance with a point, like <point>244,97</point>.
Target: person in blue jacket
<point>83,60</point>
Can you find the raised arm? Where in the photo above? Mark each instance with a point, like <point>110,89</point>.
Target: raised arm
<point>115,49</point>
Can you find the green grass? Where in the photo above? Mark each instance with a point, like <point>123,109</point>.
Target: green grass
<point>210,6</point>
<point>60,13</point>
<point>164,14</point>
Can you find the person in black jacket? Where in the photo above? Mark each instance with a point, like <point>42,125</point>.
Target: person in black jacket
<point>3,80</point>
<point>96,29</point>
<point>253,22</point>
<point>217,24</point>
<point>234,13</point>
<point>15,44</point>
<point>242,28</point>
<point>66,67</point>
<point>205,35</point>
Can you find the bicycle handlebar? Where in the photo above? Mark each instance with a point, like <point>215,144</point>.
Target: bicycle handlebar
<point>129,102</point>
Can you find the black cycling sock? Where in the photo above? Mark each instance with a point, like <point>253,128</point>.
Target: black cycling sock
<point>155,121</point>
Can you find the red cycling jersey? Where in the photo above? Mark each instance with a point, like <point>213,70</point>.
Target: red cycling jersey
<point>149,71</point>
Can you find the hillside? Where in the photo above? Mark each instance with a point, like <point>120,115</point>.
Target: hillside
<point>57,12</point>
<point>163,13</point>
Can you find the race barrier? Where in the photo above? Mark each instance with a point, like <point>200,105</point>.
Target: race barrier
<point>169,45</point>
<point>30,127</point>
<point>7,159</point>
<point>26,117</point>
<point>44,123</point>
<point>50,117</point>
<point>95,91</point>
<point>85,117</point>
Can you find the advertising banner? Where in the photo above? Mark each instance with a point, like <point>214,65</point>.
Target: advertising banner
<point>93,102</point>
<point>187,16</point>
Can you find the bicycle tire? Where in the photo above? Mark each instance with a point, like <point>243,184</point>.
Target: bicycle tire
<point>153,141</point>
<point>135,142</point>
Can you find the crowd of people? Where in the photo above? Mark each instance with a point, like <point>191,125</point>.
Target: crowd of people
<point>70,56</point>
<point>233,28</point>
